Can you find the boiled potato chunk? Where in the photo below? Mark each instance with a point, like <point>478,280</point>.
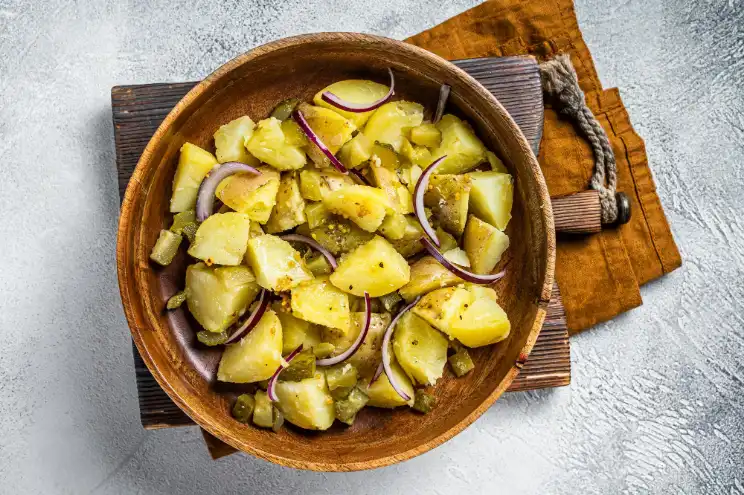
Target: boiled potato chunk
<point>293,134</point>
<point>337,235</point>
<point>367,357</point>
<point>426,135</point>
<point>463,148</point>
<point>495,162</point>
<point>230,139</point>
<point>332,129</point>
<point>294,330</point>
<point>316,184</point>
<point>318,301</point>
<point>356,152</point>
<point>484,244</point>
<point>307,403</point>
<point>420,350</point>
<point>441,307</point>
<point>427,274</point>
<point>484,322</point>
<point>194,164</point>
<point>222,239</point>
<point>491,197</point>
<point>254,195</point>
<point>394,226</point>
<point>289,211</point>
<point>364,205</point>
<point>375,268</point>
<point>353,91</point>
<point>277,265</point>
<point>392,120</point>
<point>448,197</point>
<point>270,145</point>
<point>382,394</point>
<point>256,356</point>
<point>217,296</point>
<point>410,176</point>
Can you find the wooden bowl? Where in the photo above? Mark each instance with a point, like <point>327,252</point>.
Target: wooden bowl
<point>252,84</point>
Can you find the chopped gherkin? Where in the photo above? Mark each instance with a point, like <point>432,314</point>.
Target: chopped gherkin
<point>301,367</point>
<point>176,300</point>
<point>181,220</point>
<point>263,414</point>
<point>323,350</point>
<point>423,401</point>
<point>165,248</point>
<point>211,338</point>
<point>341,375</point>
<point>460,362</point>
<point>341,393</point>
<point>189,230</point>
<point>243,408</point>
<point>278,420</point>
<point>284,109</point>
<point>346,409</point>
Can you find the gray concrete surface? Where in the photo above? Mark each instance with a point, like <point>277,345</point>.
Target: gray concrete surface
<point>657,399</point>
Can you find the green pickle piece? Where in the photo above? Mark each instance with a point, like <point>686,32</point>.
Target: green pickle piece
<point>176,300</point>
<point>263,385</point>
<point>341,375</point>
<point>323,350</point>
<point>347,409</point>
<point>181,220</point>
<point>301,367</point>
<point>318,265</point>
<point>263,414</point>
<point>390,301</point>
<point>284,109</point>
<point>189,230</point>
<point>165,248</point>
<point>211,338</point>
<point>424,401</point>
<point>460,362</point>
<point>278,420</point>
<point>341,393</point>
<point>242,410</point>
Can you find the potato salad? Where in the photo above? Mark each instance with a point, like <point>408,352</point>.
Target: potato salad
<point>342,252</point>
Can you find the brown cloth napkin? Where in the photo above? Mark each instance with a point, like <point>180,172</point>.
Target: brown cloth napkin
<point>598,275</point>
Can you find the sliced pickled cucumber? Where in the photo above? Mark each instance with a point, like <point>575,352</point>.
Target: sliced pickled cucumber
<point>165,248</point>
<point>347,408</point>
<point>341,375</point>
<point>300,368</point>
<point>263,413</point>
<point>243,408</point>
<point>424,402</point>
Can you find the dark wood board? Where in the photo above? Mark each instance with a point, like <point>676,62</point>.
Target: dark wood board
<point>139,109</point>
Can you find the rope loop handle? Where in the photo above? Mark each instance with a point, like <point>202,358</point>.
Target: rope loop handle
<point>560,81</point>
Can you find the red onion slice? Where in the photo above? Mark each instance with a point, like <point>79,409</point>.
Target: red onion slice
<point>253,318</point>
<point>357,343</point>
<point>313,244</point>
<point>464,274</point>
<point>444,92</point>
<point>348,106</point>
<point>418,200</point>
<point>207,188</point>
<point>386,351</point>
<point>271,388</point>
<point>300,119</point>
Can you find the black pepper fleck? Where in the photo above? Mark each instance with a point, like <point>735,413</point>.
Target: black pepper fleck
<point>381,265</point>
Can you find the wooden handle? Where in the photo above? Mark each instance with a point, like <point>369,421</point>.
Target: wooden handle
<point>578,213</point>
<point>581,213</point>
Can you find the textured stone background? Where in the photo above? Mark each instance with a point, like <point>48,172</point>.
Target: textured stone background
<point>657,399</point>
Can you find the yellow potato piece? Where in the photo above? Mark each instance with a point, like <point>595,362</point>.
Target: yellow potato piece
<point>353,91</point>
<point>368,356</point>
<point>484,322</point>
<point>491,197</point>
<point>254,195</point>
<point>222,239</point>
<point>484,244</point>
<point>269,144</point>
<point>364,205</point>
<point>277,265</point>
<point>318,301</point>
<point>289,210</point>
<point>427,274</point>
<point>194,164</point>
<point>375,267</point>
<point>256,356</point>
<point>230,139</point>
<point>463,148</point>
<point>382,394</point>
<point>307,403</point>
<point>331,128</point>
<point>420,350</point>
<point>392,121</point>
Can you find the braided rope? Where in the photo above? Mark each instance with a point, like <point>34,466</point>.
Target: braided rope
<point>559,80</point>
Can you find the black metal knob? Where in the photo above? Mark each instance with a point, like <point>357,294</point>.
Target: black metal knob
<point>623,208</point>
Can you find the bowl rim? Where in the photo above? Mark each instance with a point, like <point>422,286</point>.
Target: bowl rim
<point>127,226</point>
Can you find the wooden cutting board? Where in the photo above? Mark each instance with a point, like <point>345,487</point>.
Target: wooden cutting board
<point>138,110</point>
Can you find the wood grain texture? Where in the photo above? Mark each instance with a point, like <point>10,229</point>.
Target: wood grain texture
<point>578,213</point>
<point>250,85</point>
